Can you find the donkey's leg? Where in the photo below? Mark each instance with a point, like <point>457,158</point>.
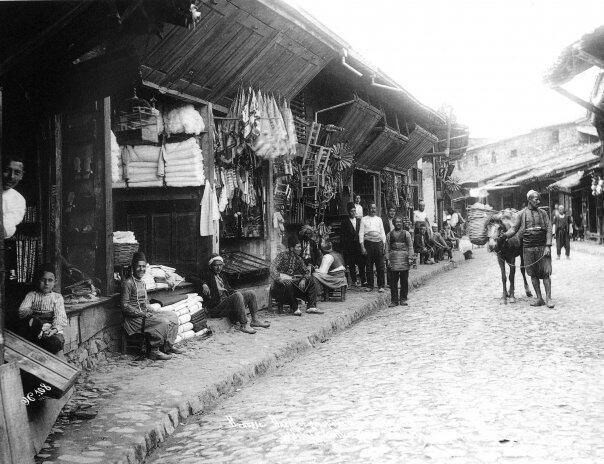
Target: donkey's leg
<point>526,285</point>
<point>512,264</point>
<point>504,296</point>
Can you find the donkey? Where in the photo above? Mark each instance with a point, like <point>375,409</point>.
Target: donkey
<point>507,251</point>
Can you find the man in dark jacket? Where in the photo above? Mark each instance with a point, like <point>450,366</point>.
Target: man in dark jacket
<point>223,301</point>
<point>351,248</point>
<point>388,221</point>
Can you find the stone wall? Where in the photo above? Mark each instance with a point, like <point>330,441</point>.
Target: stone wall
<point>517,152</point>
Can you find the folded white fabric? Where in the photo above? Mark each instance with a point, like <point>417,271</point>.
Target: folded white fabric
<point>192,167</point>
<point>142,165</point>
<point>124,236</point>
<point>185,183</point>
<point>187,334</point>
<point>150,183</point>
<point>184,318</point>
<point>143,153</point>
<point>185,327</point>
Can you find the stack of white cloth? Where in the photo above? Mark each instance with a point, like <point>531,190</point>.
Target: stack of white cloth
<point>184,309</point>
<point>124,236</point>
<point>183,120</point>
<point>184,164</point>
<point>117,169</point>
<point>143,165</point>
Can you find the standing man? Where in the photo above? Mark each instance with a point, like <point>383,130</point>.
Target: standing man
<point>358,207</point>
<point>373,239</point>
<point>13,203</point>
<point>536,229</point>
<point>420,216</point>
<point>349,242</point>
<point>562,230</point>
<point>388,220</point>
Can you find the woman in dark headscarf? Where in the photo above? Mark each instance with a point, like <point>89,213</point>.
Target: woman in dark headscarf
<point>162,327</point>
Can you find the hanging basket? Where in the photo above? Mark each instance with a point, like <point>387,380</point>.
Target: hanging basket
<point>477,221</point>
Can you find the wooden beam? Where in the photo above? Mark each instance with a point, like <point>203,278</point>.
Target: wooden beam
<point>594,109</point>
<point>183,96</point>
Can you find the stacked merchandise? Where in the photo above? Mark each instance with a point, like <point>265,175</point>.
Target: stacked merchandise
<point>257,121</point>
<point>117,169</point>
<point>143,166</point>
<point>186,309</point>
<point>28,256</point>
<point>184,164</point>
<point>183,120</point>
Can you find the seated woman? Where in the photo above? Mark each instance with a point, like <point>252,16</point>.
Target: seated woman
<point>43,313</point>
<point>331,273</point>
<point>161,327</point>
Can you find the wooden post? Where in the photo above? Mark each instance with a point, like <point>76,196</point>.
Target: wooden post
<point>58,198</point>
<point>2,303</point>
<point>15,438</point>
<point>269,208</point>
<point>107,241</point>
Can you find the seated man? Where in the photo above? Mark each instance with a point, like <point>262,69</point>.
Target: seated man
<point>43,313</point>
<point>450,236</point>
<point>222,301</point>
<point>162,328</point>
<point>332,273</point>
<point>440,246</point>
<point>292,280</point>
<point>421,245</point>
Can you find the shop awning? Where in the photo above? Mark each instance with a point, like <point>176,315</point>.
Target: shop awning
<point>386,146</point>
<point>239,42</point>
<point>578,57</point>
<point>567,183</point>
<point>420,141</point>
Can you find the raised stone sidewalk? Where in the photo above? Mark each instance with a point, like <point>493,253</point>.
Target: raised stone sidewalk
<point>133,405</point>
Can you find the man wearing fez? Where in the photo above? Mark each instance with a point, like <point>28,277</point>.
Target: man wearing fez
<point>536,229</point>
<point>223,301</point>
<point>351,248</point>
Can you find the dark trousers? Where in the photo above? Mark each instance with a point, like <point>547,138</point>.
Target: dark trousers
<point>563,240</point>
<point>354,260</point>
<point>395,276</point>
<point>31,328</point>
<point>289,292</point>
<point>375,257</point>
<point>233,307</point>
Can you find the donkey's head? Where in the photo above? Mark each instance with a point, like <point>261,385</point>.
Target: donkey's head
<point>495,229</point>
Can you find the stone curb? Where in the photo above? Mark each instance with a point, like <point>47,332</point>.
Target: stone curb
<point>227,386</point>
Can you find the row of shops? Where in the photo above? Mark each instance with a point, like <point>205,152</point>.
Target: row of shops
<point>193,130</point>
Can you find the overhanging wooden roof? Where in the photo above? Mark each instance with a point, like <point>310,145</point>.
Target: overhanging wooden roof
<point>420,141</point>
<point>382,150</point>
<point>235,42</point>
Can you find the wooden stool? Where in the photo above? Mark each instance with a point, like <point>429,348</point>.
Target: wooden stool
<point>329,293</point>
<point>139,340</point>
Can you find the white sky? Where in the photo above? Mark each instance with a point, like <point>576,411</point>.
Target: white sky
<point>486,58</point>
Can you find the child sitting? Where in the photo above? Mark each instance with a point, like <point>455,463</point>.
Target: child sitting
<point>43,313</point>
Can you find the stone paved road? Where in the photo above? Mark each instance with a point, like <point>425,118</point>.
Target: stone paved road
<point>454,378</point>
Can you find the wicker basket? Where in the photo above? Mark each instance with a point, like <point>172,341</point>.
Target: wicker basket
<point>477,221</point>
<point>122,253</point>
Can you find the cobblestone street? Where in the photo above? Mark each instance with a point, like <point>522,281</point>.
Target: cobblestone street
<point>454,377</point>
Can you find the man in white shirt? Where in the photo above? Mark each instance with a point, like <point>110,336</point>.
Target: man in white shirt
<point>373,240</point>
<point>357,206</point>
<point>13,203</point>
<point>419,216</point>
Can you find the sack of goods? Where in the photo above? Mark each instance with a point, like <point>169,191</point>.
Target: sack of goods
<point>186,310</point>
<point>478,215</point>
